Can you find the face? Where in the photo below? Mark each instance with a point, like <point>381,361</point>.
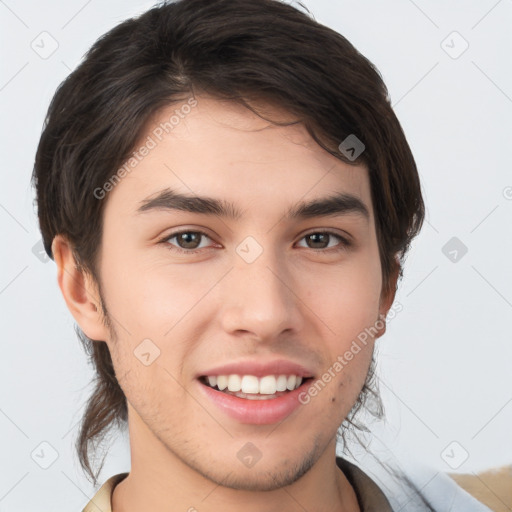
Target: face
<point>248,284</point>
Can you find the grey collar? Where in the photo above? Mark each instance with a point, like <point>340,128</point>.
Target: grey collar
<point>369,495</point>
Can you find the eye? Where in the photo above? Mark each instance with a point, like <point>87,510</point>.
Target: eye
<point>319,239</point>
<point>188,241</point>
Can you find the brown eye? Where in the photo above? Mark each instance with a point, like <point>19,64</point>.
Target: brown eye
<point>319,240</point>
<point>186,241</point>
<point>322,240</point>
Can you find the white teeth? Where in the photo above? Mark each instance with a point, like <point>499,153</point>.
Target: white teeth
<point>281,383</point>
<point>222,382</point>
<point>234,383</point>
<point>268,385</point>
<point>250,384</point>
<point>290,384</point>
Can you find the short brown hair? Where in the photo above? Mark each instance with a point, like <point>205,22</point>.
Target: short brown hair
<point>241,50</point>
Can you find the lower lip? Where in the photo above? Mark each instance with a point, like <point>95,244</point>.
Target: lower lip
<point>256,412</point>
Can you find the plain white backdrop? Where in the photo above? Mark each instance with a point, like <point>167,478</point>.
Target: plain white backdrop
<point>445,361</point>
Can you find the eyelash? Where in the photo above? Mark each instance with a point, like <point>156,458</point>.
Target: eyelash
<point>345,244</point>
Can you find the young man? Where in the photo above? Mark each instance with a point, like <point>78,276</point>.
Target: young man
<point>228,197</point>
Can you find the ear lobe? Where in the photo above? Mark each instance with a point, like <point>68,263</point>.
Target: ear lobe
<point>79,291</point>
<point>388,298</point>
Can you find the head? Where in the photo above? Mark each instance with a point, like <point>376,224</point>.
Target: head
<point>222,100</point>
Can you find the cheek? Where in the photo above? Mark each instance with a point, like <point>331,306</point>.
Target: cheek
<point>347,302</point>
<point>347,298</point>
<point>150,300</point>
<point>157,318</point>
<point>333,394</point>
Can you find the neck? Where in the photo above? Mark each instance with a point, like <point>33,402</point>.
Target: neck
<point>159,479</point>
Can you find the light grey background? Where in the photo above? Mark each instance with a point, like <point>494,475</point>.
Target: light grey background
<point>445,361</point>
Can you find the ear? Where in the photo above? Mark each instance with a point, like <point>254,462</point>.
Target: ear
<point>79,291</point>
<point>386,299</point>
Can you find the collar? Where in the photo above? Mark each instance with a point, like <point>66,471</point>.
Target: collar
<point>369,495</point>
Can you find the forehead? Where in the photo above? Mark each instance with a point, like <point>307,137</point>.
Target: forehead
<point>221,149</point>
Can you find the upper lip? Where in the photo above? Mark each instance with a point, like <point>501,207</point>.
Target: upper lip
<point>259,369</point>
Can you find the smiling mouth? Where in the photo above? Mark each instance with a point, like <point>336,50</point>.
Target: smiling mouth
<point>251,387</point>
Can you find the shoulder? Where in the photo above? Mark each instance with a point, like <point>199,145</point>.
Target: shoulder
<point>415,487</point>
<point>492,487</point>
<point>102,499</point>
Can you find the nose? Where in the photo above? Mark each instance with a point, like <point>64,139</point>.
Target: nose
<point>261,299</point>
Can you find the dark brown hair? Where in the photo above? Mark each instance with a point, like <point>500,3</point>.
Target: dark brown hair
<point>241,50</point>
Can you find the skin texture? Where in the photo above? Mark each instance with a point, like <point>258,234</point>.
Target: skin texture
<point>298,300</point>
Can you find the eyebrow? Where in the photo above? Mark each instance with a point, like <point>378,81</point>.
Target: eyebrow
<point>337,204</point>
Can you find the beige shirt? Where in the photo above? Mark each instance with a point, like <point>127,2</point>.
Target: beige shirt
<point>370,497</point>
